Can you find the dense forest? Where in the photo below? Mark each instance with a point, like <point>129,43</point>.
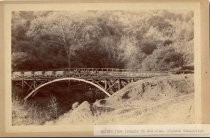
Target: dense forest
<point>148,40</point>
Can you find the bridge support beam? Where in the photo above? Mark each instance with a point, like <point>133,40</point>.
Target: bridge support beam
<point>103,78</point>
<point>119,84</point>
<point>22,82</point>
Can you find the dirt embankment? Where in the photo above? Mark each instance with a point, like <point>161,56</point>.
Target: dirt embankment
<point>161,100</point>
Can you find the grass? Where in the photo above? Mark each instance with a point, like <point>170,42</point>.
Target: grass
<point>29,113</point>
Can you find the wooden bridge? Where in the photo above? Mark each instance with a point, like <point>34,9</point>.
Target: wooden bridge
<point>108,80</point>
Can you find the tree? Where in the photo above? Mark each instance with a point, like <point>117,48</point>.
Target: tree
<point>63,27</point>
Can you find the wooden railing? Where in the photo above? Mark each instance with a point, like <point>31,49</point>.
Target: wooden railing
<point>90,72</point>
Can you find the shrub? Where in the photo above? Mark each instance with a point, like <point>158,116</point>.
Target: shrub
<point>148,48</point>
<point>163,59</point>
<point>53,106</point>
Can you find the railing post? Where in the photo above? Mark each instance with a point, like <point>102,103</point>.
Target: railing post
<point>53,74</point>
<point>132,80</point>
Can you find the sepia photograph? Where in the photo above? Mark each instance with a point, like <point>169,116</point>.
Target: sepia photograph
<point>102,67</point>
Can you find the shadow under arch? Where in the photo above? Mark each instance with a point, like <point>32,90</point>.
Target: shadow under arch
<point>63,79</point>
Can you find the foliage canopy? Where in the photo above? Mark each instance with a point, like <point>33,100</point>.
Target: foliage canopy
<point>149,40</point>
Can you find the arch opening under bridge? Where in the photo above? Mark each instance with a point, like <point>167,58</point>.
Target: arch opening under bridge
<point>64,79</point>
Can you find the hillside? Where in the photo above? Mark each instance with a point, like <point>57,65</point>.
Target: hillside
<point>159,100</point>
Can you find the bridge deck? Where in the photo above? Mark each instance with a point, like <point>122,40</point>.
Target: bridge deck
<point>89,73</point>
<point>86,78</point>
<point>85,73</point>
